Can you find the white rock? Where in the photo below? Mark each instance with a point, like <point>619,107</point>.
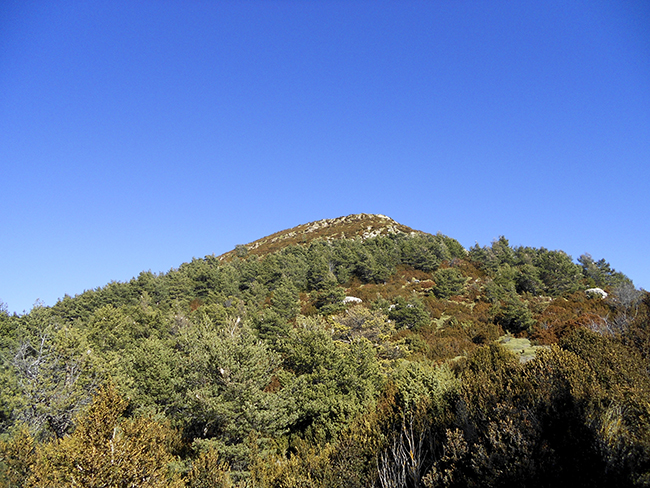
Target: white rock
<point>597,291</point>
<point>352,300</point>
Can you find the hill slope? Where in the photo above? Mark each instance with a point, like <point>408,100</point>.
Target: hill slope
<point>326,352</point>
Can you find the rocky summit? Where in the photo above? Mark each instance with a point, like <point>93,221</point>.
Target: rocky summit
<point>356,226</point>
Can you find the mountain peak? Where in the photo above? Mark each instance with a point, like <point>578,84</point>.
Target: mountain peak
<point>355,226</point>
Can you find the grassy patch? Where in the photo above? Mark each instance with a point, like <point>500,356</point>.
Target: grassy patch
<point>519,346</point>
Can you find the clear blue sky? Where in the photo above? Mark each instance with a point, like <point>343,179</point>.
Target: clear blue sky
<point>135,135</point>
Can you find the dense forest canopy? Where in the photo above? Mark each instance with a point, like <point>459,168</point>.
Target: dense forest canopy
<point>351,352</point>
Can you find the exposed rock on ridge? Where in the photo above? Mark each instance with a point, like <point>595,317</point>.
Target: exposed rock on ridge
<point>356,226</point>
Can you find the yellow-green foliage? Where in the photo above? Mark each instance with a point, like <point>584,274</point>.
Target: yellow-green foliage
<point>108,450</point>
<point>208,471</point>
<point>17,455</point>
<point>308,467</point>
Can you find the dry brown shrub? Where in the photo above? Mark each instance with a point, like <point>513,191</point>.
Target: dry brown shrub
<point>563,315</point>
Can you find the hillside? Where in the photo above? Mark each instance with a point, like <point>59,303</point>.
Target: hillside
<point>351,351</point>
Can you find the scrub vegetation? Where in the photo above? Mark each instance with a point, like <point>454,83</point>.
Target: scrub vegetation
<point>449,368</point>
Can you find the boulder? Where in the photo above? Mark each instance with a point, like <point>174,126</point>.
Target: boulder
<point>596,291</point>
<point>352,300</point>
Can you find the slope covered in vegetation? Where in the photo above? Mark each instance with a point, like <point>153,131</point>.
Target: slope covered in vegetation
<point>346,352</point>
